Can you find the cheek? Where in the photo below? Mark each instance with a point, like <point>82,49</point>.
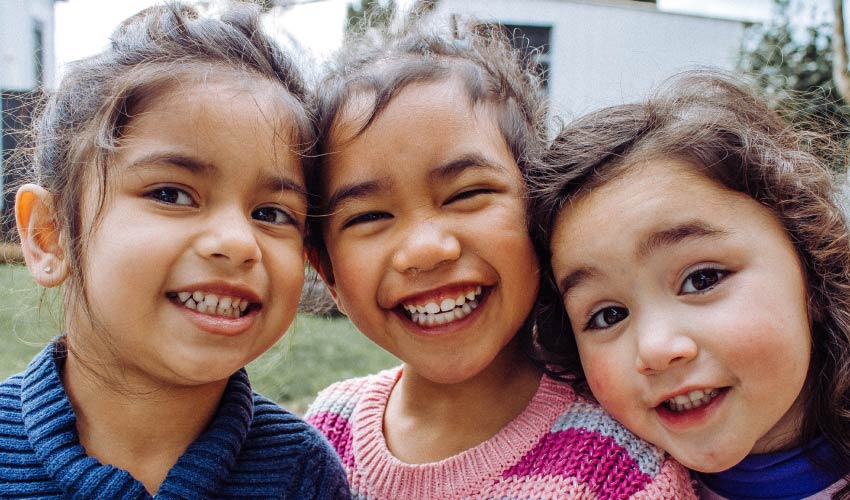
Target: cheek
<point>606,376</point>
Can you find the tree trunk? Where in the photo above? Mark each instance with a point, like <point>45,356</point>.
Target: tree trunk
<point>840,73</point>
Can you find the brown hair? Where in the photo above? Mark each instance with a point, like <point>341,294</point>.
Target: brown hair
<point>80,125</point>
<point>713,121</point>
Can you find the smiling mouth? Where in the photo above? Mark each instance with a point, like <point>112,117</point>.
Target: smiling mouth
<point>692,400</point>
<point>214,305</point>
<point>445,310</point>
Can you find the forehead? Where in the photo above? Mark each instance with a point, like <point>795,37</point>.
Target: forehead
<point>425,124</point>
<point>647,198</point>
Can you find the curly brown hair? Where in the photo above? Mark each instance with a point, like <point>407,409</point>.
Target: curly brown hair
<point>712,120</point>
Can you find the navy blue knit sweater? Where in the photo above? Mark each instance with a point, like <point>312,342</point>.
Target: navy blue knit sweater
<point>252,448</point>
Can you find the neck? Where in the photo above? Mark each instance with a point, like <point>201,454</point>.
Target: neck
<point>450,418</point>
<point>134,424</point>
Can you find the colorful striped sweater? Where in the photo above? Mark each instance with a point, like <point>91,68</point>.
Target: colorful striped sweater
<point>560,447</point>
<point>252,449</point>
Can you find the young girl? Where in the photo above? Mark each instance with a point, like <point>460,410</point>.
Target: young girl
<point>424,245</point>
<point>702,259</point>
<point>171,203</point>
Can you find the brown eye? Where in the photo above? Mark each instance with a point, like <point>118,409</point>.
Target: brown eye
<point>607,318</point>
<point>702,280</point>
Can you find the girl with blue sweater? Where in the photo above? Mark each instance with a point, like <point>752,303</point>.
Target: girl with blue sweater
<point>701,257</point>
<point>168,197</point>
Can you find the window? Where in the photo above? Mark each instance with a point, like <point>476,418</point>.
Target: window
<point>38,52</point>
<point>533,40</point>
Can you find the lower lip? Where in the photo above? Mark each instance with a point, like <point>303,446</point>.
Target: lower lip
<point>220,325</point>
<point>447,328</point>
<point>690,418</point>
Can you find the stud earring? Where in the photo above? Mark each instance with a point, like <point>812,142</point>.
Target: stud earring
<point>48,269</point>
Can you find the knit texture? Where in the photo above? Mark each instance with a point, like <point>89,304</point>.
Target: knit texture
<point>252,449</point>
<point>561,446</point>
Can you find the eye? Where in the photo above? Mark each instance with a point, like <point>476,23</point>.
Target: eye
<point>171,196</point>
<point>607,317</point>
<point>365,218</point>
<point>465,195</point>
<point>272,215</point>
<point>702,280</point>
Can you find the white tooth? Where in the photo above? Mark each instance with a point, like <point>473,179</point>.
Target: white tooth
<point>183,296</point>
<point>235,303</point>
<point>243,305</point>
<point>420,309</point>
<point>211,300</point>
<point>430,319</point>
<point>202,307</point>
<point>473,304</point>
<point>412,310</point>
<point>198,296</point>
<point>447,305</point>
<point>681,399</point>
<point>696,395</point>
<point>234,312</point>
<point>225,302</point>
<point>460,300</point>
<point>439,319</point>
<point>222,310</point>
<point>432,308</point>
<point>414,317</point>
<point>478,290</point>
<point>191,304</point>
<point>470,295</point>
<point>467,308</point>
<point>688,406</point>
<point>459,313</point>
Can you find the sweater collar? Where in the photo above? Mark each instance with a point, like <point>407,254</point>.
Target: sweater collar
<point>50,423</point>
<point>784,475</point>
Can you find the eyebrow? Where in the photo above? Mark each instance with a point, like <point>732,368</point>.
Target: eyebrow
<point>269,182</point>
<point>451,169</point>
<point>677,234</point>
<point>656,240</point>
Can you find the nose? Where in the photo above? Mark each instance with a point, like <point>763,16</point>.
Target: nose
<point>426,246</point>
<point>663,343</point>
<point>229,238</point>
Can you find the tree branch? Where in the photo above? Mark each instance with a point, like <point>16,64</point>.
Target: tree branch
<point>840,73</point>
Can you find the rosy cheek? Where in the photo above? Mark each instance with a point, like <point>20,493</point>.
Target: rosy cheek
<point>603,377</point>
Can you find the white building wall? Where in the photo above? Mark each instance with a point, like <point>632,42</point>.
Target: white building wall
<point>17,68</point>
<point>608,52</point>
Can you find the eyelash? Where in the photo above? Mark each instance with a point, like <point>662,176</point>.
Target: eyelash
<point>287,217</point>
<point>464,195</point>
<point>161,193</point>
<point>366,218</point>
<point>717,274</point>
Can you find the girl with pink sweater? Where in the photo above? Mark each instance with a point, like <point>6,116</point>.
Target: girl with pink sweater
<point>423,241</point>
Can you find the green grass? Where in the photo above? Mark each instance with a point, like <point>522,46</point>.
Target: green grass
<point>315,352</point>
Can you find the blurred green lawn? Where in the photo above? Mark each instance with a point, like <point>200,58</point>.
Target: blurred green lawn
<point>315,352</point>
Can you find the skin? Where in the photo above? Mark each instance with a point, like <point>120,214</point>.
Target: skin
<point>674,283</point>
<point>427,204</point>
<point>204,195</point>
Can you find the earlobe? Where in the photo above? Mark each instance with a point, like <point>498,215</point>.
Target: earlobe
<point>41,239</point>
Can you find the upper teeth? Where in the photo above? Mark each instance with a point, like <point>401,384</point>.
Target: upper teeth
<point>447,310</point>
<point>691,400</point>
<point>210,303</point>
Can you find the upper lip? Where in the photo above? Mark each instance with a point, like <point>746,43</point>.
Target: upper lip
<point>223,289</point>
<point>423,296</point>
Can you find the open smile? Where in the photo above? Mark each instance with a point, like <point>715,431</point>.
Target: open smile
<point>445,309</point>
<point>214,304</point>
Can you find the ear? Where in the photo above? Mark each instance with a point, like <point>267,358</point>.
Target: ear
<point>322,264</point>
<point>41,239</point>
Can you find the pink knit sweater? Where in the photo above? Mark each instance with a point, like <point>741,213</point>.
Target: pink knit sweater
<point>560,447</point>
